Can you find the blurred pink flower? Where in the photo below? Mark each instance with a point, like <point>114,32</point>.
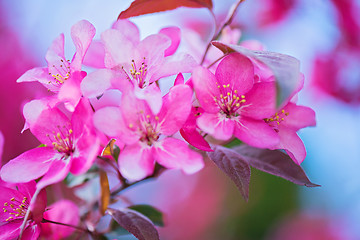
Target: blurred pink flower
<point>13,94</point>
<point>348,20</point>
<point>337,73</point>
<point>308,226</point>
<point>63,211</point>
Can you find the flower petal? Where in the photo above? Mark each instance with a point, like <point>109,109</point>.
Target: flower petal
<point>236,70</point>
<point>10,230</point>
<point>292,144</point>
<point>94,84</point>
<point>49,123</point>
<point>176,154</point>
<point>174,34</point>
<point>256,133</point>
<point>136,162</point>
<point>176,109</point>
<point>29,166</point>
<point>172,65</point>
<point>31,232</point>
<point>109,120</point>
<point>87,147</point>
<point>118,49</point>
<point>32,111</point>
<point>70,90</point>
<point>152,95</point>
<point>179,79</point>
<point>128,29</point>
<point>299,116</point>
<point>216,125</point>
<point>260,101</point>
<point>153,48</point>
<point>82,34</point>
<point>56,173</point>
<point>63,211</point>
<point>206,89</point>
<point>40,75</point>
<point>95,55</point>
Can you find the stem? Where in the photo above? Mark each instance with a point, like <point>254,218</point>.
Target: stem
<point>230,17</point>
<point>157,171</point>
<point>68,225</point>
<point>216,61</point>
<point>120,176</point>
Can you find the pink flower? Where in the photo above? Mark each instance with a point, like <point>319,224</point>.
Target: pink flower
<point>63,211</point>
<point>233,104</point>
<point>133,65</point>
<point>147,136</point>
<point>62,76</point>
<point>337,74</point>
<point>16,203</point>
<point>70,146</point>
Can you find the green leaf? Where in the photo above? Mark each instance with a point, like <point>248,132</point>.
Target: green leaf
<point>235,142</point>
<point>116,152</point>
<point>42,145</point>
<point>152,213</point>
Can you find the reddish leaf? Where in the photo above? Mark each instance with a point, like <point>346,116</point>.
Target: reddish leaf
<point>233,165</point>
<point>285,68</point>
<point>141,7</point>
<point>135,223</point>
<point>276,163</point>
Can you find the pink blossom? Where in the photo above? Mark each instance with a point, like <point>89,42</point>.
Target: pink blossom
<point>71,145</point>
<point>337,74</point>
<point>16,203</point>
<point>147,136</point>
<point>233,104</point>
<point>133,65</point>
<point>273,11</point>
<point>63,211</point>
<point>62,76</point>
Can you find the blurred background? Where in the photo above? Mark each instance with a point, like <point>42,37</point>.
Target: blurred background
<point>323,34</point>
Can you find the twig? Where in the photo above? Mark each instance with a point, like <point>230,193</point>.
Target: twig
<point>230,17</point>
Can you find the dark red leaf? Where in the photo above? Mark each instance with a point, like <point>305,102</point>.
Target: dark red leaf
<point>276,163</point>
<point>233,165</point>
<point>285,68</point>
<point>135,223</point>
<point>141,7</point>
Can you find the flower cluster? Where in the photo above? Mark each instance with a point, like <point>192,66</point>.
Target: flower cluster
<point>122,98</point>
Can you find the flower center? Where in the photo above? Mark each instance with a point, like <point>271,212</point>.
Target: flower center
<point>137,73</point>
<point>60,72</point>
<point>148,128</point>
<point>15,208</point>
<point>229,101</point>
<point>62,141</point>
<point>275,120</point>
